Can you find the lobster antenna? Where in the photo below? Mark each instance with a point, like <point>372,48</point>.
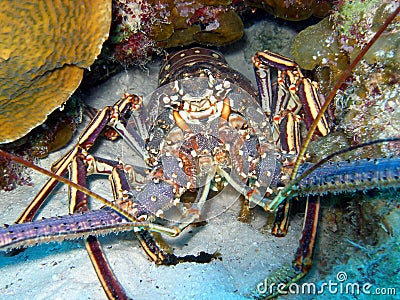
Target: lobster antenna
<point>286,191</point>
<point>67,182</point>
<point>333,92</point>
<point>339,152</point>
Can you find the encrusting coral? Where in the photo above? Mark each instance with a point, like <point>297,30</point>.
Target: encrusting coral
<point>44,46</point>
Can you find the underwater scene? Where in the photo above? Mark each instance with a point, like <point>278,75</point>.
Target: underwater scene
<point>199,149</point>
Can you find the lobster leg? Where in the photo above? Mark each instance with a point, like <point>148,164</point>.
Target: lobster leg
<point>78,200</point>
<point>283,102</point>
<point>281,223</point>
<point>305,252</point>
<point>85,142</point>
<point>78,203</point>
<point>121,192</point>
<point>303,259</point>
<point>193,213</point>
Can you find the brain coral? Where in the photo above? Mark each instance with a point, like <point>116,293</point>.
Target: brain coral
<point>44,46</point>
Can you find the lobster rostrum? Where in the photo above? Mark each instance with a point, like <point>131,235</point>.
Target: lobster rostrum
<point>203,128</point>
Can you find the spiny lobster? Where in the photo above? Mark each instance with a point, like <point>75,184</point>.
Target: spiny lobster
<point>208,127</point>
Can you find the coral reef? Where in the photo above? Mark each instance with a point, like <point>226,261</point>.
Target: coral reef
<point>44,47</point>
<point>48,137</point>
<point>294,10</point>
<point>368,105</point>
<point>141,28</point>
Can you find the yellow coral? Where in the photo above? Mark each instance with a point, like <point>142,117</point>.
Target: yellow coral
<point>44,46</point>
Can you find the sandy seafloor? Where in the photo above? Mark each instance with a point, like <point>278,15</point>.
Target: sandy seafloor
<point>64,271</point>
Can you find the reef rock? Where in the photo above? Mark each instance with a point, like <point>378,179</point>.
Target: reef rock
<point>293,10</point>
<point>141,27</point>
<point>368,106</point>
